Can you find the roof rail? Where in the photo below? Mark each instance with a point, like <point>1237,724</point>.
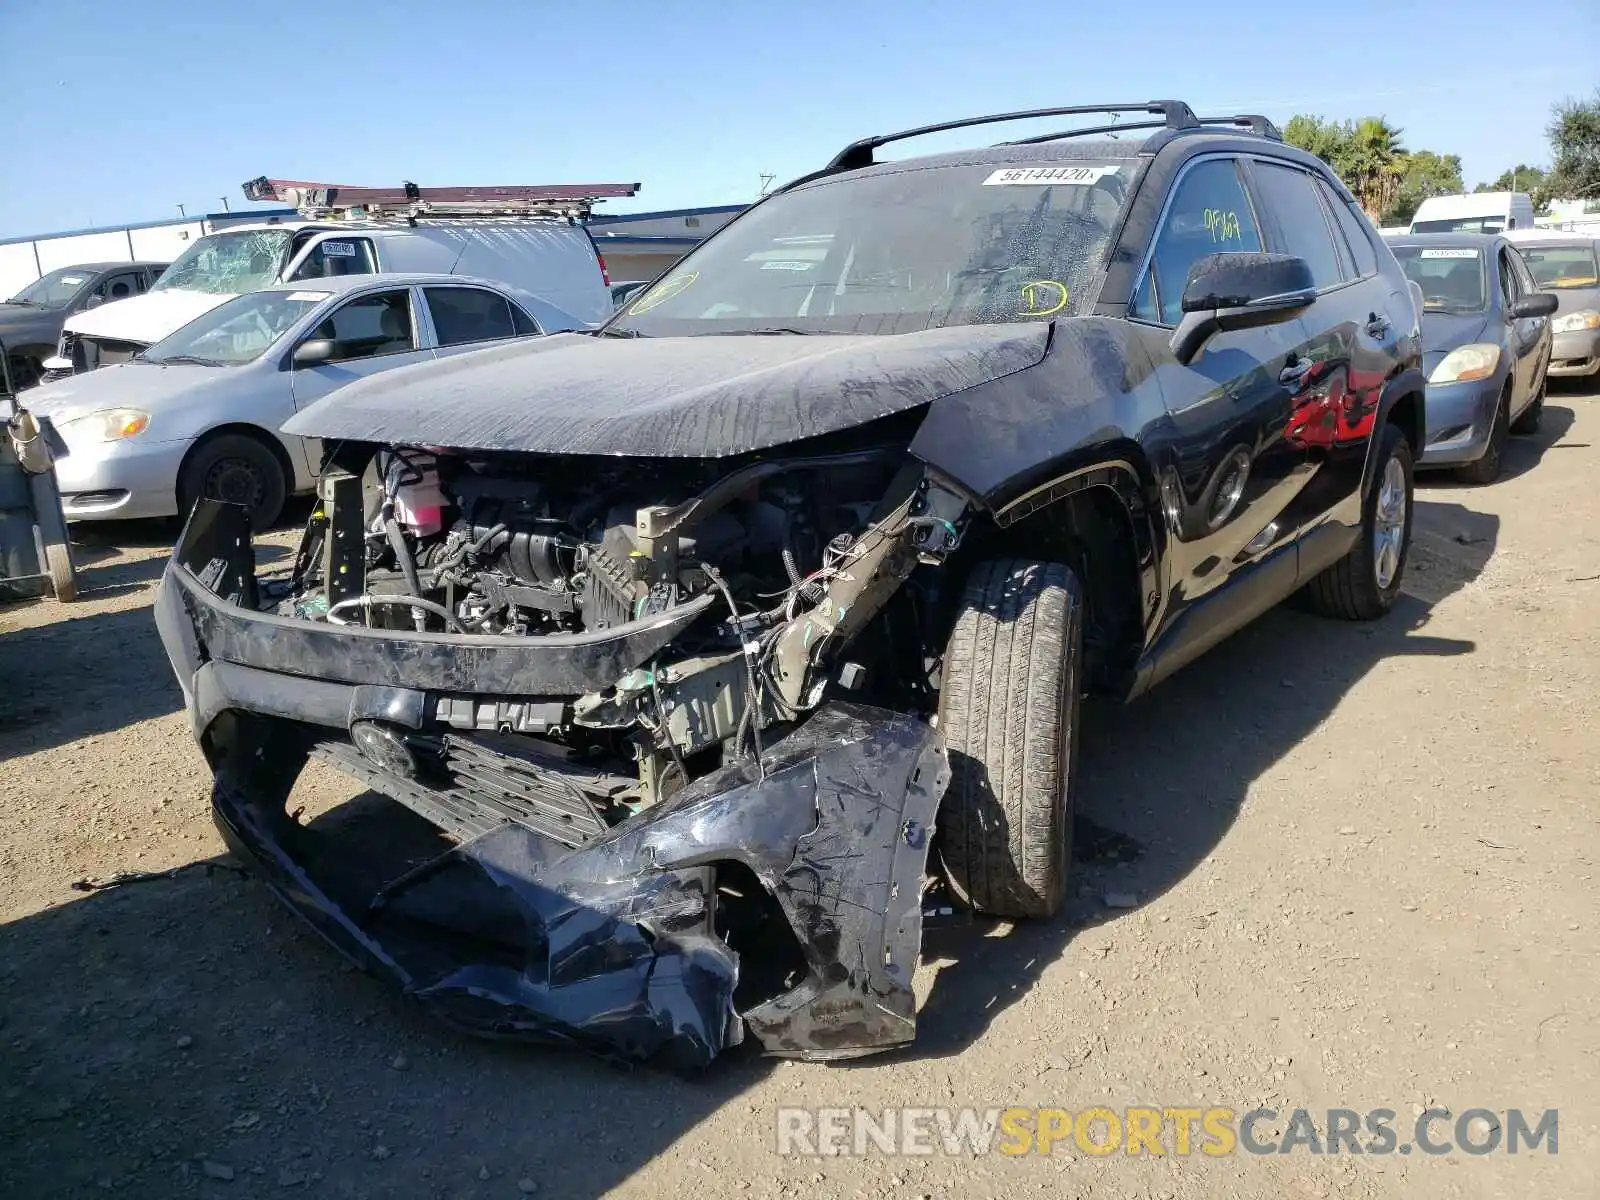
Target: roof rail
<point>1254,122</point>
<point>571,200</point>
<point>1175,114</point>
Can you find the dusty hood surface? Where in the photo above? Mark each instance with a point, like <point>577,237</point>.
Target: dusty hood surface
<point>684,397</point>
<point>145,319</point>
<point>1444,332</point>
<point>140,385</point>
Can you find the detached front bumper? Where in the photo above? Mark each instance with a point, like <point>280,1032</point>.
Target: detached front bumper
<point>545,926</point>
<point>1460,419</point>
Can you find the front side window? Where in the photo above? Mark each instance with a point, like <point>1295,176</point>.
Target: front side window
<point>1562,266</point>
<point>1290,195</point>
<point>56,290</point>
<point>1451,277</point>
<point>230,263</point>
<point>370,326</point>
<point>1510,287</point>
<point>238,331</point>
<point>1210,213</point>
<point>898,250</point>
<point>337,256</point>
<point>462,315</point>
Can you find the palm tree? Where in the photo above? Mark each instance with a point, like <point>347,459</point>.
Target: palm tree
<point>1373,163</point>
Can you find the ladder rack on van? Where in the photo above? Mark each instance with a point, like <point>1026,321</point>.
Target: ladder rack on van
<point>331,200</point>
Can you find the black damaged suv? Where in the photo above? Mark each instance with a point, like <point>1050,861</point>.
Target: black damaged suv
<point>702,644</point>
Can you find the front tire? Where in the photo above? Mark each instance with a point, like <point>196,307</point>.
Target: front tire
<point>1364,584</point>
<point>1530,418</point>
<point>239,469</point>
<point>1008,710</point>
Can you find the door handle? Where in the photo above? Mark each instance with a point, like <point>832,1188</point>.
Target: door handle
<point>1294,372</point>
<point>1377,326</point>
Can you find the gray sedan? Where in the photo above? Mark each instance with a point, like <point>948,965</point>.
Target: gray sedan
<point>1485,346</point>
<point>1567,265</point>
<point>200,412</point>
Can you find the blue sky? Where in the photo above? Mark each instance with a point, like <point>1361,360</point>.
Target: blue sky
<point>121,111</point>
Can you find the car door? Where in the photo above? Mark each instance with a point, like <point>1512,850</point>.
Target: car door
<point>1544,332</point>
<point>1524,335</point>
<point>1226,467</point>
<point>466,318</point>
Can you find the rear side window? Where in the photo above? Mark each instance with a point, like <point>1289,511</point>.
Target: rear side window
<point>1210,213</point>
<point>1354,230</point>
<point>1290,196</point>
<point>523,323</point>
<point>462,315</point>
<point>338,256</point>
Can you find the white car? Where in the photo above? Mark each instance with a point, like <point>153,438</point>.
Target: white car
<point>548,258</point>
<point>199,413</point>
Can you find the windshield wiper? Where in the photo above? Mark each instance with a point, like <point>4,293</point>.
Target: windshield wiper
<point>619,333</point>
<point>24,303</point>
<point>194,359</point>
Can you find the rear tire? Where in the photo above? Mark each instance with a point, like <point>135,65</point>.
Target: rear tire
<point>237,468</point>
<point>1487,468</point>
<point>1008,710</point>
<point>1363,584</point>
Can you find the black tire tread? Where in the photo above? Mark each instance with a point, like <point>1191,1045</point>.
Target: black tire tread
<point>221,444</point>
<point>1010,681</point>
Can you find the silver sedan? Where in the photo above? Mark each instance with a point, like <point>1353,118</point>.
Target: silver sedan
<point>200,412</point>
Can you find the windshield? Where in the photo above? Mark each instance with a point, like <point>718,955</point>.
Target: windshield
<point>239,331</point>
<point>229,263</point>
<point>1489,223</point>
<point>896,252</point>
<point>1451,277</point>
<point>1562,266</point>
<point>55,290</point>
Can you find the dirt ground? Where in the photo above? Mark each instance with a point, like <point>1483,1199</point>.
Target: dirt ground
<point>1366,879</point>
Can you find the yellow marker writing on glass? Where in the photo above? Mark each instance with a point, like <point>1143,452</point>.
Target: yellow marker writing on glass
<point>1043,298</point>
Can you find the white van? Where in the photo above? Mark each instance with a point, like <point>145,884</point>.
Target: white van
<point>1475,212</point>
<point>552,259</point>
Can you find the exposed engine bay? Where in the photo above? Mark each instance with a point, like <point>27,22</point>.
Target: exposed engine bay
<point>789,557</point>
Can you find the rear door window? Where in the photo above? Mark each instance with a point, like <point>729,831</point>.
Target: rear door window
<point>1354,230</point>
<point>338,256</point>
<point>371,326</point>
<point>1289,195</point>
<point>462,315</point>
<point>1210,213</point>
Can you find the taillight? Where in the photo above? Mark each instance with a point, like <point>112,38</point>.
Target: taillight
<point>605,275</point>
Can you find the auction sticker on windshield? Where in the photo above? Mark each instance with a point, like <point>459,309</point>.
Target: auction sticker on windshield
<point>1448,252</point>
<point>339,249</point>
<point>311,296</point>
<point>1043,175</point>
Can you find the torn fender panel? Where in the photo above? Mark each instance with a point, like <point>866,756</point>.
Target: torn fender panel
<point>670,397</point>
<point>616,947</point>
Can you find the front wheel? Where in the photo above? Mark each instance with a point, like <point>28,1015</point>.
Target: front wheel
<point>1008,710</point>
<point>1530,418</point>
<point>239,469</point>
<point>1365,582</point>
<point>1487,469</point>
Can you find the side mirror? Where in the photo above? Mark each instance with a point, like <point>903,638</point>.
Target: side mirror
<point>1240,291</point>
<point>1537,304</point>
<point>313,353</point>
<point>94,301</point>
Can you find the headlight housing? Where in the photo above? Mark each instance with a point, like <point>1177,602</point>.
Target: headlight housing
<point>1477,361</point>
<point>1586,318</point>
<point>108,425</point>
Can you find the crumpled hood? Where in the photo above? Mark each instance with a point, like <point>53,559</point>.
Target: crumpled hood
<point>145,386</point>
<point>1443,332</point>
<point>679,397</point>
<point>145,319</point>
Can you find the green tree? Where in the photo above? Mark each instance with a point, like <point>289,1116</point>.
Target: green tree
<point>1520,178</point>
<point>1575,150</point>
<point>1326,139</point>
<point>1422,174</point>
<point>1373,162</point>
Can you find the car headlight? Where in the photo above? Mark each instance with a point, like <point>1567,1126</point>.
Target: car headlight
<point>1587,318</point>
<point>109,425</point>
<point>1476,361</point>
